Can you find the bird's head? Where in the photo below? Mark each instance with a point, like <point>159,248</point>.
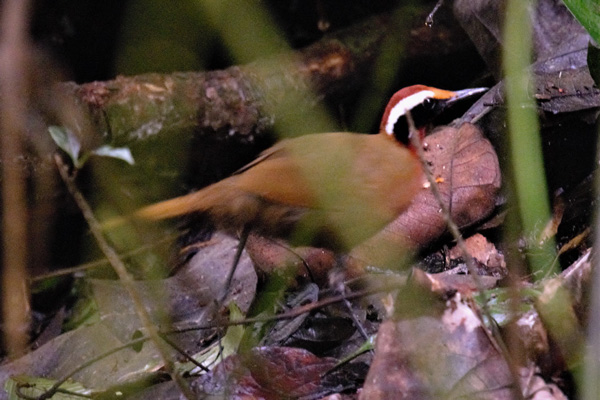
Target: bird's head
<point>424,104</point>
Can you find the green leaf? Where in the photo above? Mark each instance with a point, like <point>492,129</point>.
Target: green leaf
<point>368,345</point>
<point>34,387</point>
<point>504,302</point>
<point>121,153</point>
<point>234,334</point>
<point>587,12</point>
<point>67,141</point>
<point>218,350</point>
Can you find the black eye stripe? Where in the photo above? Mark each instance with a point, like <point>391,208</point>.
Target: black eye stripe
<point>401,130</point>
<point>421,113</point>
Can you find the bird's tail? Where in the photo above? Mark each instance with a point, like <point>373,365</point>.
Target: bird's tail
<point>178,206</point>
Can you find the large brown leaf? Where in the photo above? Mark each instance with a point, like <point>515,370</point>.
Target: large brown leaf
<point>433,357</point>
<point>468,173</point>
<point>268,373</point>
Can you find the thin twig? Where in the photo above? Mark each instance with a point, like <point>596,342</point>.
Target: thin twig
<point>295,254</point>
<point>126,279</point>
<point>342,290</point>
<point>21,386</point>
<point>291,313</point>
<point>14,47</point>
<point>183,352</point>
<point>236,260</point>
<point>98,263</point>
<point>470,262</point>
<point>429,19</point>
<point>55,388</point>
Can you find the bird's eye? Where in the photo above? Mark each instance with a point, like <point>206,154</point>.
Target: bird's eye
<point>429,103</point>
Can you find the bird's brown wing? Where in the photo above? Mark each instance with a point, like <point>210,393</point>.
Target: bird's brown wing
<point>275,176</point>
<point>265,155</point>
<point>332,171</point>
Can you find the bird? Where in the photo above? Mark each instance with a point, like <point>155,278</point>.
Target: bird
<point>331,190</point>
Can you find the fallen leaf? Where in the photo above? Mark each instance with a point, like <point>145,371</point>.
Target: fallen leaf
<point>489,260</point>
<point>268,373</point>
<point>271,255</point>
<point>437,357</point>
<point>471,176</point>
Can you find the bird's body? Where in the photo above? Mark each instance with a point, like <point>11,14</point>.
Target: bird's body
<point>350,183</point>
<point>333,189</point>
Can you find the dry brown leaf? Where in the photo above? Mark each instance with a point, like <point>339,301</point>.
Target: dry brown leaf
<point>467,168</point>
<point>437,357</point>
<point>268,373</point>
<point>271,255</point>
<point>489,260</point>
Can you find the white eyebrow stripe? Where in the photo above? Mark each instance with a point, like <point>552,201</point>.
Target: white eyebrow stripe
<point>405,104</point>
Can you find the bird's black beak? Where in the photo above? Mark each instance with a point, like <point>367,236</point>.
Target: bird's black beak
<point>463,94</point>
